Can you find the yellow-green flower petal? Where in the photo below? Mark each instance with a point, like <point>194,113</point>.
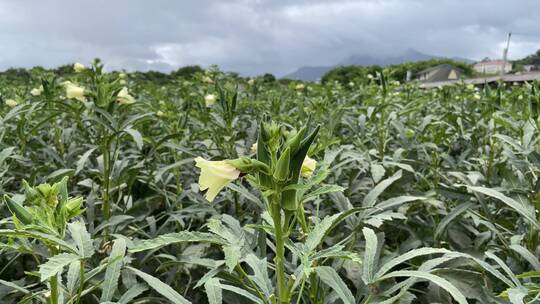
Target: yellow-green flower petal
<point>79,67</point>
<point>308,166</point>
<point>73,91</point>
<point>11,103</point>
<point>210,100</point>
<point>123,97</point>
<point>215,175</point>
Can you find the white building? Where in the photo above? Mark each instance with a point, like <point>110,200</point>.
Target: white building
<point>492,66</point>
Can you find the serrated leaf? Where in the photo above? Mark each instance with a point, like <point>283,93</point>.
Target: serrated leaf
<point>331,278</point>
<point>213,291</point>
<point>260,273</point>
<point>14,286</point>
<point>110,282</point>
<point>371,197</point>
<point>242,292</point>
<point>450,217</point>
<point>444,284</point>
<point>82,239</point>
<point>407,256</point>
<point>82,161</point>
<point>518,207</point>
<point>371,255</point>
<point>133,292</point>
<point>136,135</point>
<point>73,276</point>
<point>55,265</point>
<point>174,238</point>
<point>232,256</point>
<point>113,221</point>
<point>160,287</point>
<point>322,190</point>
<point>316,235</point>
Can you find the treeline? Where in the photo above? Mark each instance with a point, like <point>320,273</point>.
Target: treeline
<point>360,74</point>
<point>22,75</point>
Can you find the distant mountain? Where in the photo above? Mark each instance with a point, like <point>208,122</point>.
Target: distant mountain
<point>309,73</point>
<point>315,73</point>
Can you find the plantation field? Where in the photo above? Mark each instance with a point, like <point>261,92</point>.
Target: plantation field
<point>213,188</point>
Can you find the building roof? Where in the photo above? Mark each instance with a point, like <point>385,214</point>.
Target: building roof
<point>441,72</point>
<point>483,80</point>
<point>492,62</point>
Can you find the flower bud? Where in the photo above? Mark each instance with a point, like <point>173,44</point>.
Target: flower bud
<point>248,165</point>
<point>281,172</point>
<point>18,211</point>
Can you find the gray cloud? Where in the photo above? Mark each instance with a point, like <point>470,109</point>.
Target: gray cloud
<point>257,36</point>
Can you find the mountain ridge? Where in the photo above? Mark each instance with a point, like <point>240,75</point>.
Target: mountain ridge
<point>314,73</point>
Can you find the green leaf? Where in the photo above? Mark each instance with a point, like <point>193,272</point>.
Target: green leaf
<point>113,221</point>
<point>407,256</point>
<point>242,292</point>
<point>260,273</point>
<point>73,276</point>
<point>505,268</point>
<point>316,235</point>
<point>331,278</point>
<point>15,286</point>
<point>110,282</point>
<point>394,202</point>
<point>371,255</point>
<point>450,217</point>
<point>213,291</point>
<point>518,207</point>
<point>60,173</point>
<point>527,255</point>
<point>133,292</point>
<point>162,288</point>
<point>322,190</point>
<point>174,238</point>
<point>377,172</point>
<point>137,137</point>
<point>82,161</point>
<point>371,197</point>
<point>55,265</point>
<point>232,256</point>
<point>444,284</point>
<point>245,192</point>
<point>517,295</point>
<point>40,236</point>
<point>82,239</point>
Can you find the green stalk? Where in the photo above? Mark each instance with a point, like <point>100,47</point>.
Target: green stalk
<point>106,209</point>
<point>54,289</point>
<point>53,281</point>
<point>280,253</point>
<point>81,283</point>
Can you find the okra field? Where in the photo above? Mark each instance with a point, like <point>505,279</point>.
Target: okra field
<point>220,189</point>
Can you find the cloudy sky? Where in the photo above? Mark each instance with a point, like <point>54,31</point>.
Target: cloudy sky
<point>257,36</point>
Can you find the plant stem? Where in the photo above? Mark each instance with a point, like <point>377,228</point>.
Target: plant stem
<point>54,289</point>
<point>106,181</point>
<point>53,281</point>
<point>81,283</point>
<point>280,254</point>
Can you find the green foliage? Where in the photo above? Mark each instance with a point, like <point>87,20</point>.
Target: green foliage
<point>407,196</point>
<point>346,75</point>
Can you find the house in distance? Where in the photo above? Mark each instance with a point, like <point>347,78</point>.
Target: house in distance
<point>441,72</point>
<point>488,66</point>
